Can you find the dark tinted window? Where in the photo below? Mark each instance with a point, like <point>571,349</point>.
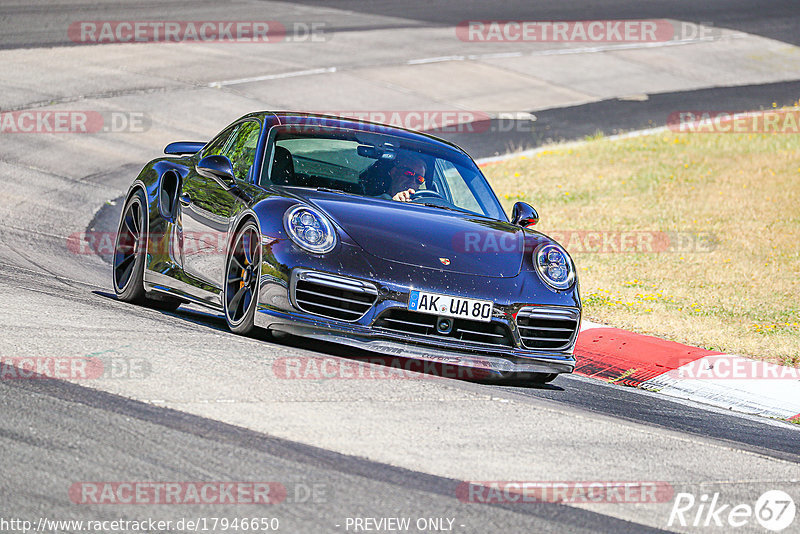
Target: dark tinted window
<point>377,164</point>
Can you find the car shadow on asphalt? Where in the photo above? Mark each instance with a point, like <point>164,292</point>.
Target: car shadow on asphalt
<point>398,366</point>
<point>193,315</point>
<point>363,364</point>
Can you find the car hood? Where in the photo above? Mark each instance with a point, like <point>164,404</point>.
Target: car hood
<point>426,237</point>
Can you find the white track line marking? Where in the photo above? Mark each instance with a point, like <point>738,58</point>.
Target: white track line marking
<point>441,59</point>
<point>559,51</point>
<point>294,74</point>
<point>471,57</point>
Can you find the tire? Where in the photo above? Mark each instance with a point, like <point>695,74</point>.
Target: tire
<point>242,275</point>
<point>130,248</point>
<point>129,251</point>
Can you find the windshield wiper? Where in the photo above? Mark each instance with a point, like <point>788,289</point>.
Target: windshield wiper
<point>448,208</point>
<point>329,190</point>
<point>430,204</point>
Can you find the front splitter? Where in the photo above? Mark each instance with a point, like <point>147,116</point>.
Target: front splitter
<point>369,341</point>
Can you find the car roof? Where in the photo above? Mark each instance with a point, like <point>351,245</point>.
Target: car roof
<point>296,117</point>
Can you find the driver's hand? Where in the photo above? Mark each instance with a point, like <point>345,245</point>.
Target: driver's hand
<point>404,196</point>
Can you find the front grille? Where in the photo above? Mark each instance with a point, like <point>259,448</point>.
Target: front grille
<point>333,296</point>
<point>409,322</point>
<point>547,328</point>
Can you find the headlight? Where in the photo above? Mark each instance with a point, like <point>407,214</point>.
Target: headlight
<point>554,266</point>
<point>309,229</point>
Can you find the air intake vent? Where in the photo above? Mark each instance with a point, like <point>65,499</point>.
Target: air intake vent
<point>333,296</point>
<point>547,328</point>
<point>409,322</point>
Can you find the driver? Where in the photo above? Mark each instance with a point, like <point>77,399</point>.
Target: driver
<point>407,173</point>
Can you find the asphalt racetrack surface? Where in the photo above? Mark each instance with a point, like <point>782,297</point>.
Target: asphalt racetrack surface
<point>193,402</point>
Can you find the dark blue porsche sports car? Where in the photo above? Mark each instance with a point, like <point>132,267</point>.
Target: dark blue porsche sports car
<point>352,232</point>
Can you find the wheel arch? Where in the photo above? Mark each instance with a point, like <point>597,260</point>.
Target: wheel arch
<point>132,190</point>
<point>240,220</point>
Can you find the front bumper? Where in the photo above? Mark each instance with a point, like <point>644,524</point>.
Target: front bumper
<point>496,360</point>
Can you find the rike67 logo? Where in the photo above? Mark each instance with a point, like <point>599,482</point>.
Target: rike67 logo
<point>774,510</point>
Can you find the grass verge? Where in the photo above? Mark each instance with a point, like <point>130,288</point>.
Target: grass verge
<point>712,254</point>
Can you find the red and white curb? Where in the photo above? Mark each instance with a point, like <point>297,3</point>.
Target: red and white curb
<point>723,380</point>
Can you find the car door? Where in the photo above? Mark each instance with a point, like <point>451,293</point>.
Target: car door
<point>207,206</point>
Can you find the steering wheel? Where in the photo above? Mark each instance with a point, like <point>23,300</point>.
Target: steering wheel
<point>426,194</point>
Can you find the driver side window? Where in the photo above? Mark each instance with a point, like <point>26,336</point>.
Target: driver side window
<point>216,146</point>
<point>241,148</point>
<point>238,144</point>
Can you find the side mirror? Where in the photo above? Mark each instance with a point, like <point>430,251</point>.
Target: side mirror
<point>524,215</point>
<point>217,168</point>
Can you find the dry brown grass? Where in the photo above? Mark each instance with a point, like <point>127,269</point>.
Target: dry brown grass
<point>742,296</point>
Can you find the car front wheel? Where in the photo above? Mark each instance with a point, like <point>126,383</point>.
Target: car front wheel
<point>242,274</point>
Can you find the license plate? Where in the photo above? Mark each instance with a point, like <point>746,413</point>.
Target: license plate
<point>448,306</point>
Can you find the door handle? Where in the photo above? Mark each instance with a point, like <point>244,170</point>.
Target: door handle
<point>185,199</point>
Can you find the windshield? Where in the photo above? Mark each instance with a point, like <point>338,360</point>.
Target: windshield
<point>378,165</point>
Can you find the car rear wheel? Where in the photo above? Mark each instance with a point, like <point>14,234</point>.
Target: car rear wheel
<point>129,252</point>
<point>242,275</point>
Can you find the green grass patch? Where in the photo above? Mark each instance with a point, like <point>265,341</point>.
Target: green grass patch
<point>729,204</point>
